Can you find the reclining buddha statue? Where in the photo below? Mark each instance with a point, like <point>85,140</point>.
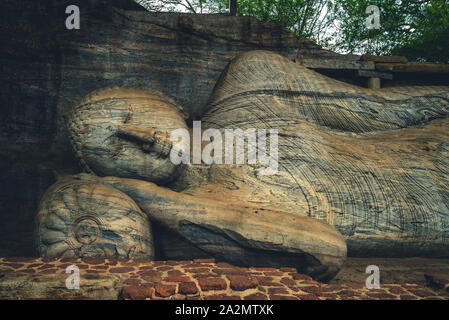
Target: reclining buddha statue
<point>359,171</point>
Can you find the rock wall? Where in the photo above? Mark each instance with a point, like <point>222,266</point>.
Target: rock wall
<point>46,69</point>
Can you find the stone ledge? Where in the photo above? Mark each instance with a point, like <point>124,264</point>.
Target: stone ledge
<point>200,279</point>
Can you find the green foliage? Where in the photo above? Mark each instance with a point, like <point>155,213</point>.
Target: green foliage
<point>306,18</point>
<point>417,29</point>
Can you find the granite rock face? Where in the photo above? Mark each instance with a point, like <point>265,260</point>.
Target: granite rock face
<point>47,69</point>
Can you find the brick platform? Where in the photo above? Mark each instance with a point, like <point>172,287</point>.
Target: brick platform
<point>206,280</point>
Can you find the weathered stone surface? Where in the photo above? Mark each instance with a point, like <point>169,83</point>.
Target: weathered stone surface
<point>79,219</point>
<point>41,286</point>
<point>188,288</point>
<point>373,163</point>
<point>208,284</point>
<point>165,291</point>
<point>242,282</point>
<point>136,292</point>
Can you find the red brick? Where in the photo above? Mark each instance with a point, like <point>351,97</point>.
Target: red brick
<point>152,278</point>
<point>48,271</point>
<point>407,297</point>
<point>100,267</point>
<point>146,268</point>
<point>282,297</point>
<point>397,290</point>
<point>16,265</point>
<point>164,268</point>
<point>273,273</point>
<point>381,296</point>
<point>207,284</point>
<point>256,296</point>
<point>205,275</point>
<point>288,270</point>
<point>175,273</point>
<point>330,296</point>
<point>288,282</point>
<point>347,293</point>
<point>121,270</point>
<point>307,297</point>
<point>221,297</point>
<point>149,273</point>
<point>198,265</point>
<point>240,283</point>
<point>311,282</point>
<point>355,285</point>
<point>188,288</point>
<point>93,260</point>
<point>229,271</point>
<point>136,292</point>
<point>196,270</point>
<point>165,290</point>
<point>176,279</point>
<point>277,291</point>
<point>312,289</point>
<point>29,271</point>
<point>92,271</point>
<point>422,292</point>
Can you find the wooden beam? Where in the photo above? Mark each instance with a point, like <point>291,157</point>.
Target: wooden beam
<point>384,59</point>
<point>375,74</point>
<point>332,63</point>
<point>422,67</point>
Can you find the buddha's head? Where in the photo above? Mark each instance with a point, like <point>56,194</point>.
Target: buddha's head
<point>125,132</point>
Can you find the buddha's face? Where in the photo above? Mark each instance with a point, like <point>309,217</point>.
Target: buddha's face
<point>125,132</point>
